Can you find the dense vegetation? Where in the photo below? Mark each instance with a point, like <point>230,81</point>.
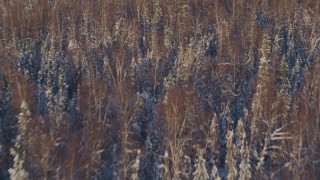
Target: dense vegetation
<point>160,89</point>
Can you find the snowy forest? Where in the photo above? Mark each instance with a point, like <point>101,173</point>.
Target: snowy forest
<point>159,89</point>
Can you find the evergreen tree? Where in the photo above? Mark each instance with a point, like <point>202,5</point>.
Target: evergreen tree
<point>283,98</point>
<point>135,166</point>
<point>6,123</point>
<point>265,47</point>
<point>260,100</point>
<point>200,172</point>
<point>62,91</point>
<point>244,154</point>
<point>215,173</point>
<point>230,161</point>
<point>149,167</point>
<point>245,168</point>
<point>41,91</point>
<point>240,134</point>
<point>18,172</point>
<point>212,138</point>
<point>250,61</point>
<point>284,73</point>
<point>183,64</point>
<point>5,118</point>
<point>186,167</point>
<point>51,68</point>
<point>296,78</point>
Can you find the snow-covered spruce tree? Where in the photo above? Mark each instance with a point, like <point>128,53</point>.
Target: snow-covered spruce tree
<point>244,154</point>
<point>186,167</point>
<point>215,173</point>
<point>150,162</point>
<point>5,120</point>
<point>51,78</point>
<point>200,172</point>
<point>245,167</point>
<point>84,26</point>
<point>250,57</point>
<point>183,64</point>
<point>154,23</point>
<point>132,71</point>
<point>282,105</point>
<point>62,91</point>
<point>92,39</point>
<point>61,98</point>
<point>297,76</point>
<point>135,166</point>
<point>239,140</point>
<point>260,99</point>
<point>230,161</point>
<point>42,90</point>
<point>18,172</point>
<point>213,131</point>
<point>240,134</point>
<point>266,45</point>
<point>42,78</point>
<point>109,76</point>
<point>212,139</point>
<point>198,67</point>
<point>284,72</point>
